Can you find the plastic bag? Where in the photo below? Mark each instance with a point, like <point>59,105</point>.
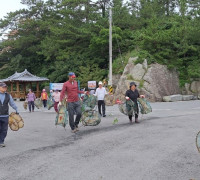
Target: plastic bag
<point>62,115</point>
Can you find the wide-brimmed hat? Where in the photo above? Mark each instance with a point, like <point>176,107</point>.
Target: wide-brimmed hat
<point>133,83</point>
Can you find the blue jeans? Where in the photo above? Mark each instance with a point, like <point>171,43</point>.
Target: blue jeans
<point>3,128</point>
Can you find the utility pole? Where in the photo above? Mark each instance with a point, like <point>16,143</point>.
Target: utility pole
<point>110,47</point>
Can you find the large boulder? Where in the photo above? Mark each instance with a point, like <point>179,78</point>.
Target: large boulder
<point>160,81</point>
<point>154,81</point>
<point>173,98</point>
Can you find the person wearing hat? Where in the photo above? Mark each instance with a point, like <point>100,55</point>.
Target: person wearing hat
<point>133,94</point>
<point>31,98</point>
<point>70,91</point>
<point>44,97</point>
<point>100,93</point>
<point>5,99</point>
<point>56,98</point>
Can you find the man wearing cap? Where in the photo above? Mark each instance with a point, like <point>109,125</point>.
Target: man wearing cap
<point>133,94</point>
<point>70,88</point>
<point>100,93</point>
<point>5,99</point>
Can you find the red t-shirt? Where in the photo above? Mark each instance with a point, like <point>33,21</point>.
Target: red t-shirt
<point>71,90</point>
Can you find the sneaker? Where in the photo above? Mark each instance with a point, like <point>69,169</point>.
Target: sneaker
<point>73,131</point>
<point>136,120</point>
<point>2,145</point>
<point>104,115</point>
<point>76,127</point>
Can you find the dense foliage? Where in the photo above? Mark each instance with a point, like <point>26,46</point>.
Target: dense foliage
<point>51,38</point>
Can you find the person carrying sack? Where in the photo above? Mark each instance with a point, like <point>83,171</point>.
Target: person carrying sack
<point>133,94</point>
<point>73,104</point>
<point>5,99</point>
<point>31,98</point>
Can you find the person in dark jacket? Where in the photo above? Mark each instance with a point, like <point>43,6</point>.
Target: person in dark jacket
<point>5,99</point>
<point>133,94</point>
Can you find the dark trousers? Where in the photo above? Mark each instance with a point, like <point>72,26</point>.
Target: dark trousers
<point>101,103</point>
<point>56,106</point>
<point>136,113</point>
<point>44,102</point>
<point>31,104</point>
<point>3,128</point>
<point>74,107</point>
<point>130,116</point>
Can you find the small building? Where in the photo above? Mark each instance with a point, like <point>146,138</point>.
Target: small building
<point>19,82</point>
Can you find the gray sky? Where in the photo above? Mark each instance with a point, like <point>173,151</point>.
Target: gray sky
<point>7,6</point>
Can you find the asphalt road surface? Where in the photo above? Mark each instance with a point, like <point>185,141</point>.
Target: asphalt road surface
<point>161,147</point>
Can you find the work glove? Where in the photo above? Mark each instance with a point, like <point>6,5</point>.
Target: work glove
<point>59,104</point>
<point>142,96</point>
<point>87,92</point>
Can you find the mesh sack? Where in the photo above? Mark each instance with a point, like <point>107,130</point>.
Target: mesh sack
<point>62,116</point>
<point>15,121</point>
<point>88,103</point>
<point>38,103</point>
<point>25,105</point>
<point>109,100</point>
<point>90,118</point>
<point>144,105</point>
<point>128,108</point>
<point>50,103</point>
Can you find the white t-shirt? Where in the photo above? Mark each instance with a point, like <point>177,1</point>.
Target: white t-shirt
<point>100,93</point>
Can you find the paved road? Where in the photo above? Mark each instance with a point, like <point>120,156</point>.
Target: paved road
<point>161,147</point>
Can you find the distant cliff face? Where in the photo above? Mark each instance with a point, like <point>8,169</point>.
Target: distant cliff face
<point>154,81</point>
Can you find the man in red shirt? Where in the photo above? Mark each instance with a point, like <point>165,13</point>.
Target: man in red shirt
<point>70,88</point>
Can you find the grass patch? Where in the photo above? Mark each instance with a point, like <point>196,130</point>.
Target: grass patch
<point>120,62</point>
<point>129,77</point>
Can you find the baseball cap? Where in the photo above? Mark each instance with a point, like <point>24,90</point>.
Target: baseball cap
<point>2,84</point>
<point>72,74</point>
<point>100,83</point>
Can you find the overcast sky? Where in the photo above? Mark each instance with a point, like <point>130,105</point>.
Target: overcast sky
<point>7,6</point>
